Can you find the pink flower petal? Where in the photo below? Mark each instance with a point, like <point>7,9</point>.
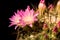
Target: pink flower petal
<point>36,15</point>
<point>31,25</point>
<point>31,11</point>
<point>16,27</point>
<point>10,25</point>
<point>35,19</point>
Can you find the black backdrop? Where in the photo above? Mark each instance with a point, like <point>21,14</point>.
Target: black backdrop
<point>7,8</point>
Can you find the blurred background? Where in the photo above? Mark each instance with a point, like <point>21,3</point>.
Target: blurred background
<point>8,7</point>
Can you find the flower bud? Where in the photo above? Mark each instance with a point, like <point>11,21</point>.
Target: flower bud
<point>58,6</point>
<point>45,27</point>
<point>50,7</point>
<point>58,25</point>
<point>46,36</point>
<point>41,6</point>
<point>55,30</point>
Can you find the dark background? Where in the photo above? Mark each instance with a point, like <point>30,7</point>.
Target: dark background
<point>7,9</point>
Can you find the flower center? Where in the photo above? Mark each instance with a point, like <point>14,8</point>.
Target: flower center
<point>28,19</point>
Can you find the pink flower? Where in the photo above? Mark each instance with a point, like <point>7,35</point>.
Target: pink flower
<point>23,18</point>
<point>28,17</point>
<point>15,19</point>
